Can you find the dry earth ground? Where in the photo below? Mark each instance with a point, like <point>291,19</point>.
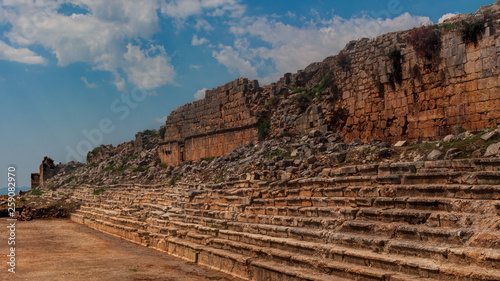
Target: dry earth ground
<point>63,250</point>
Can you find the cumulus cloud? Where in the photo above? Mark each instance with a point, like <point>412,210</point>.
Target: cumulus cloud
<point>200,94</point>
<point>291,47</point>
<point>203,24</point>
<point>197,42</point>
<point>22,55</point>
<point>146,70</point>
<point>446,16</point>
<point>235,63</point>
<point>89,85</point>
<point>195,66</point>
<point>182,9</point>
<point>161,119</point>
<point>96,37</point>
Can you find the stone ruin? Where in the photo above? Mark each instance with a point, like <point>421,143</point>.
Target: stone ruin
<point>379,88</point>
<point>386,221</point>
<point>213,126</point>
<point>47,170</point>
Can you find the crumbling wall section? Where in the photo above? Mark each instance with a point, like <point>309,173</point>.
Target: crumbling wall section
<point>366,97</point>
<point>213,126</point>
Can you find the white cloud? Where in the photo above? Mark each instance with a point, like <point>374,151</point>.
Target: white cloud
<point>197,42</point>
<point>161,119</point>
<point>22,55</point>
<point>200,94</point>
<point>182,9</point>
<point>97,38</point>
<point>235,63</point>
<point>445,17</point>
<point>89,85</point>
<point>195,66</point>
<point>152,93</point>
<point>146,70</point>
<point>291,47</point>
<point>203,24</point>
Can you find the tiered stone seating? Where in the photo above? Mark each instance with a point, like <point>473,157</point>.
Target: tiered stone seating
<point>404,221</point>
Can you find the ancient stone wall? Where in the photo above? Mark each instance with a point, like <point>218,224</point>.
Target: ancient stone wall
<point>457,87</point>
<point>461,90</point>
<point>35,180</point>
<point>380,88</point>
<point>213,126</point>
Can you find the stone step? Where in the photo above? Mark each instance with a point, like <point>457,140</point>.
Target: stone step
<point>268,270</point>
<point>392,248</point>
<point>433,190</point>
<point>434,204</point>
<point>320,212</point>
<point>316,263</point>
<point>490,257</point>
<point>258,245</point>
<point>326,218</point>
<point>240,265</point>
<point>457,191</point>
<point>394,215</point>
<point>417,233</point>
<point>156,207</point>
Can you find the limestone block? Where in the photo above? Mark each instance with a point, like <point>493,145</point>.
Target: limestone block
<point>492,150</point>
<point>434,155</point>
<point>489,136</point>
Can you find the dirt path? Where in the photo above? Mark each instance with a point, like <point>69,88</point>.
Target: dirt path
<point>63,250</point>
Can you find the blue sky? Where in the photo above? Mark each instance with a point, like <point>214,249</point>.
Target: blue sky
<point>75,74</point>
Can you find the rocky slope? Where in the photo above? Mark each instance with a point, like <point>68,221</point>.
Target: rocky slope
<point>316,119</point>
<point>275,159</point>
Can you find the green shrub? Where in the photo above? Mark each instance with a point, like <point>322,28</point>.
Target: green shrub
<point>163,165</point>
<point>447,26</point>
<point>209,159</point>
<point>277,153</point>
<point>70,179</point>
<point>267,105</point>
<point>299,89</point>
<point>263,129</point>
<point>98,191</point>
<point>121,169</point>
<point>322,85</point>
<point>161,132</point>
<point>426,41</point>
<point>473,32</point>
<point>140,169</point>
<point>344,62</point>
<point>131,158</point>
<point>306,96</point>
<point>109,168</point>
<point>173,180</point>
<point>36,192</point>
<point>316,92</point>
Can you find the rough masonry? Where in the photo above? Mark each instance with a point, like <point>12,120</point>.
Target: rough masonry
<point>379,88</point>
<point>213,126</point>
